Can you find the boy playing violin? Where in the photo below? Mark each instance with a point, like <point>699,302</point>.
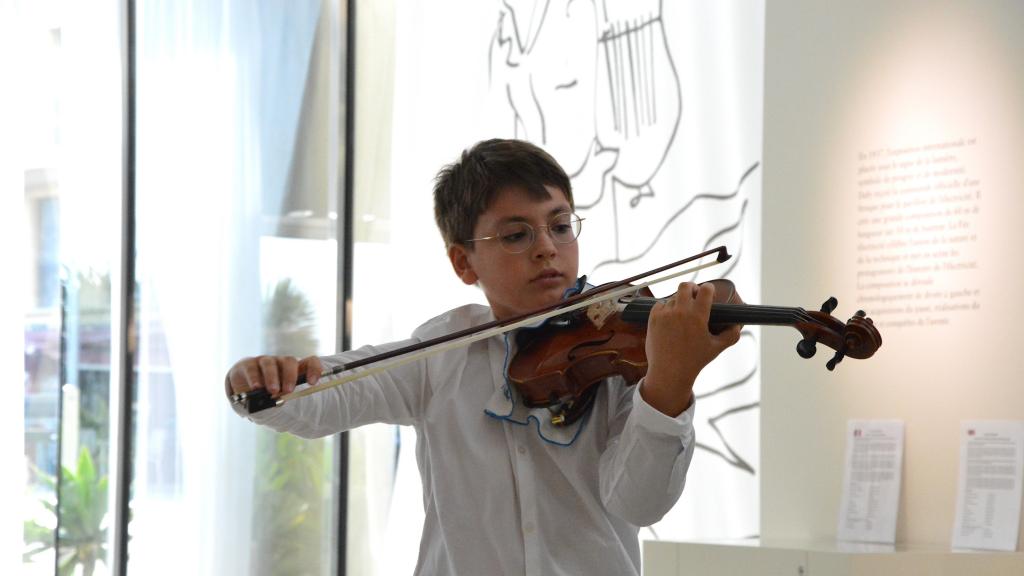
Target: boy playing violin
<point>506,490</point>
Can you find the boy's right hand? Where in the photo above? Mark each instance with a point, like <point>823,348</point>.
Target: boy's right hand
<point>278,374</point>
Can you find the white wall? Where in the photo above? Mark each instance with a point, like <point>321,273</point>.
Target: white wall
<point>844,80</point>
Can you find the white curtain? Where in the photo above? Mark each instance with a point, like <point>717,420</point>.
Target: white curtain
<point>220,97</point>
<point>197,272</point>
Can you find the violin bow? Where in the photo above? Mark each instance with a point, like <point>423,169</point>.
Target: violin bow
<point>258,400</point>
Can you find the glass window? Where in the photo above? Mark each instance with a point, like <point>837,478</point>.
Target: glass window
<point>239,131</point>
<point>70,167</point>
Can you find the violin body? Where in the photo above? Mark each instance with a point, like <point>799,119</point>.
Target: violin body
<point>559,364</point>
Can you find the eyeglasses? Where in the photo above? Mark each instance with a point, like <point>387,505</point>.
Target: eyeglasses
<point>516,237</point>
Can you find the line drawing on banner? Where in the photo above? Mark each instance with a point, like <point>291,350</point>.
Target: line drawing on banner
<point>594,83</point>
<point>633,127</point>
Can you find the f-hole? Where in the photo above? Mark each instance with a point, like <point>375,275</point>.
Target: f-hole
<point>572,352</point>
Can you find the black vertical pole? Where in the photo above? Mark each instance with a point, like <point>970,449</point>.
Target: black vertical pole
<point>345,220</point>
<point>62,373</point>
<point>126,358</point>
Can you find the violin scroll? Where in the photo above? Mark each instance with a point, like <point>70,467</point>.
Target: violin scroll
<point>857,338</point>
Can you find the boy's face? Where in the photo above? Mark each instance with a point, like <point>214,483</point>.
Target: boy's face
<point>518,283</point>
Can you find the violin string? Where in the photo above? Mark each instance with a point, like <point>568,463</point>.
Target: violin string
<point>745,311</point>
<point>465,341</point>
<point>756,313</point>
<point>786,311</point>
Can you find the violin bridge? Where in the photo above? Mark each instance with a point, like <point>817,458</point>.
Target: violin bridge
<point>599,312</point>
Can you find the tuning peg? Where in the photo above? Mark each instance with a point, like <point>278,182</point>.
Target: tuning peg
<point>806,348</point>
<point>829,305</point>
<point>831,364</point>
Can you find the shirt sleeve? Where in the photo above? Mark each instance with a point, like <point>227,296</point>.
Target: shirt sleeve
<point>395,396</point>
<point>643,468</point>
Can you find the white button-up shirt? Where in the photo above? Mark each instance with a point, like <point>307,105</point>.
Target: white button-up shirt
<point>499,495</point>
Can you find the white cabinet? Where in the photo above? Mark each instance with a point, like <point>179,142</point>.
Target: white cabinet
<point>792,558</point>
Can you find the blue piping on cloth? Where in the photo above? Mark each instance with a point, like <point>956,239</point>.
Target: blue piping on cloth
<point>558,436</point>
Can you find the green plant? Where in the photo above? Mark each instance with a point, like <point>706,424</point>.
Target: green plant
<point>289,322</point>
<point>81,509</point>
<point>290,492</point>
<point>290,471</point>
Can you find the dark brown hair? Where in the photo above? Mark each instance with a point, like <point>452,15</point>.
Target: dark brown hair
<point>465,188</point>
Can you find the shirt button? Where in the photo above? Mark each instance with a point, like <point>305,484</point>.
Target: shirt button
<point>528,528</point>
<point>522,450</point>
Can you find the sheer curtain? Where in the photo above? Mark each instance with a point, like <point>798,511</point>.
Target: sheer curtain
<point>223,217</point>
<point>197,271</point>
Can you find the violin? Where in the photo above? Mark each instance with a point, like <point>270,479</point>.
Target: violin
<point>559,364</point>
<point>597,334</point>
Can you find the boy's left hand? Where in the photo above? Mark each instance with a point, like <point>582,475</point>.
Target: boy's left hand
<point>679,345</point>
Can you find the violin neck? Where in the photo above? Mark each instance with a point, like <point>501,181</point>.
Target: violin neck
<point>638,310</point>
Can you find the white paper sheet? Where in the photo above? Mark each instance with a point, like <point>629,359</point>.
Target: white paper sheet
<point>989,489</point>
<point>871,482</point>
